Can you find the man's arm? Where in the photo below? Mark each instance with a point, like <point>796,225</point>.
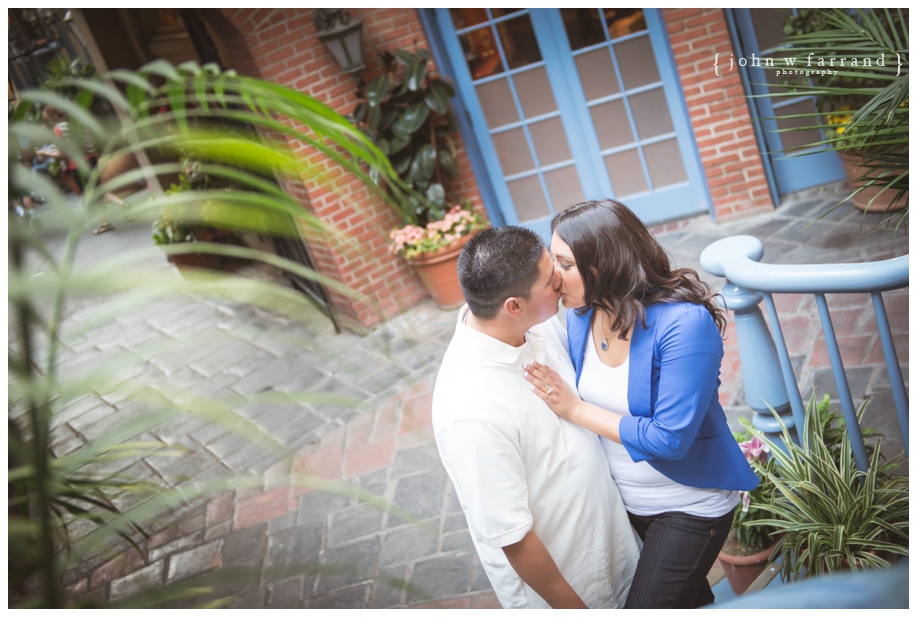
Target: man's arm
<point>533,563</point>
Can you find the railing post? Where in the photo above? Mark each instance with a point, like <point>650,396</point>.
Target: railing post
<point>761,372</point>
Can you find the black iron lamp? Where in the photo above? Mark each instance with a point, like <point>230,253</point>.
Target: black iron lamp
<point>342,38</point>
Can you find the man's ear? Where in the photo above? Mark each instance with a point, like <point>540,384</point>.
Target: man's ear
<point>514,306</point>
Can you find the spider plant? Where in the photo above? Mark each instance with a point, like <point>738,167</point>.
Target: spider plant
<point>862,107</point>
<point>832,515</point>
<point>65,507</point>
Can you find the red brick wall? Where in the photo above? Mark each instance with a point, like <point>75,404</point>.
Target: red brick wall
<point>280,45</point>
<point>719,112</point>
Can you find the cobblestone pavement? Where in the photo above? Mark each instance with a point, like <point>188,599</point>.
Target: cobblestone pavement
<point>366,555</point>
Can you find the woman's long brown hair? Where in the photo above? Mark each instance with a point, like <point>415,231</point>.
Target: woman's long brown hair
<point>624,268</point>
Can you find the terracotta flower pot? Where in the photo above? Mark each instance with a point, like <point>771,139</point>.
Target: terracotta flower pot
<point>117,166</point>
<point>854,170</point>
<point>741,571</point>
<point>207,261</point>
<point>439,273</point>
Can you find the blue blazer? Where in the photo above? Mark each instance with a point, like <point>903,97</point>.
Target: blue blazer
<point>677,423</point>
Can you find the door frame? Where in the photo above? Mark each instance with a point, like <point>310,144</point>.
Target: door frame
<point>780,172</point>
<point>463,119</point>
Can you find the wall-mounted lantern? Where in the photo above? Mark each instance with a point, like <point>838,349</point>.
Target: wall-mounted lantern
<point>342,37</point>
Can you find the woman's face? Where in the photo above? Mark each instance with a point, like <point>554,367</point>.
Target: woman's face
<point>571,287</point>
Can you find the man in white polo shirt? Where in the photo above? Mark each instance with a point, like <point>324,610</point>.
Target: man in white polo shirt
<point>544,513</point>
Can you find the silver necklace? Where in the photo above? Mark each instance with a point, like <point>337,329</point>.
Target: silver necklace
<point>605,340</point>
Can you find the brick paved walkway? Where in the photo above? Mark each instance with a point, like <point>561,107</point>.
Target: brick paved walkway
<point>385,448</point>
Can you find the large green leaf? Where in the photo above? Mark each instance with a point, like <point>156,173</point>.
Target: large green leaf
<point>378,89</point>
<point>415,74</point>
<point>389,115</point>
<point>402,163</point>
<point>447,162</point>
<point>359,112</point>
<point>374,117</point>
<point>404,57</point>
<point>415,116</point>
<point>400,128</point>
<point>437,96</point>
<point>450,126</point>
<point>436,195</point>
<point>397,144</point>
<point>161,68</point>
<point>424,164</point>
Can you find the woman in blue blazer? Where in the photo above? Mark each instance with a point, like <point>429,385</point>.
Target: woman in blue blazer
<point>646,341</point>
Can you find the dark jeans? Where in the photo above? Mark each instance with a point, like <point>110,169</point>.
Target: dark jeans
<point>678,551</point>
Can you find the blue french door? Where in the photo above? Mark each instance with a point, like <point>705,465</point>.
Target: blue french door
<point>575,104</point>
<point>760,32</point>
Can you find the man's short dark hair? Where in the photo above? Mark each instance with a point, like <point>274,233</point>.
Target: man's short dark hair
<point>497,264</point>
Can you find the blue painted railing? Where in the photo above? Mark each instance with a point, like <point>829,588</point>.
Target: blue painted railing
<point>766,370</point>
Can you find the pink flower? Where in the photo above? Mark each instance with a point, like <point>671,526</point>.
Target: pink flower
<point>754,450</point>
<point>746,500</point>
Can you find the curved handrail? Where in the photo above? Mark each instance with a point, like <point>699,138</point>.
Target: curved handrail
<point>736,258</point>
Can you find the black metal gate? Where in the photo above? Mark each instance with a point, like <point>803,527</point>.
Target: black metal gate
<point>35,37</point>
<point>290,247</point>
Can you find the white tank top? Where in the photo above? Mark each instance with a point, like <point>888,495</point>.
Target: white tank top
<point>644,490</point>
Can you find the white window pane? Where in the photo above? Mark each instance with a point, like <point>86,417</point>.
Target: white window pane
<point>550,141</point>
<point>626,173</point>
<point>637,62</point>
<point>651,113</point>
<point>528,198</point>
<point>665,163</point>
<point>597,74</point>
<point>497,103</point>
<point>611,124</point>
<point>513,152</point>
<point>534,92</point>
<point>564,187</point>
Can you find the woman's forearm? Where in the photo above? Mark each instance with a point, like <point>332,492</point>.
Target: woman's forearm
<point>600,421</point>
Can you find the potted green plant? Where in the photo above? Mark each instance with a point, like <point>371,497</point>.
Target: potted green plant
<point>848,140</point>
<point>830,514</point>
<point>406,112</point>
<point>172,229</point>
<point>868,102</point>
<point>748,547</point>
<point>433,251</point>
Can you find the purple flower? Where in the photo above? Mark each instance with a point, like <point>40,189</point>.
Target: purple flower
<point>754,450</point>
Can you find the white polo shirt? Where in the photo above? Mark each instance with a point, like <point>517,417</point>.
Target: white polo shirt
<point>517,466</point>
